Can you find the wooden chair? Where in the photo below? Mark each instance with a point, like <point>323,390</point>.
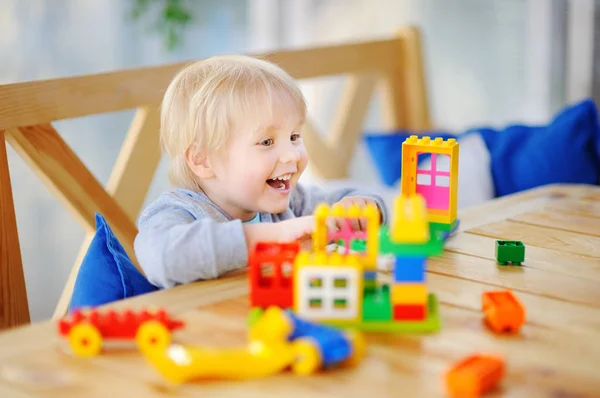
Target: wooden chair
<point>27,111</point>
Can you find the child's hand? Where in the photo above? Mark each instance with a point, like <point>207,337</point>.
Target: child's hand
<point>355,224</point>
<point>296,229</point>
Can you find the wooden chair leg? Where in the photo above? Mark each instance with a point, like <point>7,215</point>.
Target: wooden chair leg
<point>128,184</point>
<point>14,308</point>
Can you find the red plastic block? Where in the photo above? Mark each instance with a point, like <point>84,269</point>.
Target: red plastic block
<point>271,274</point>
<point>503,311</point>
<point>117,325</point>
<point>410,312</point>
<point>474,375</point>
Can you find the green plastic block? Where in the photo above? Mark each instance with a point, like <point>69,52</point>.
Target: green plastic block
<point>437,226</point>
<point>510,251</point>
<point>254,315</point>
<point>376,304</point>
<point>429,325</point>
<point>434,247</point>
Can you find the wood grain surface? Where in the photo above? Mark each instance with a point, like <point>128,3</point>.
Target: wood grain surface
<point>556,354</point>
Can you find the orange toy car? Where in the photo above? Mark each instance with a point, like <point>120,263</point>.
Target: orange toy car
<point>503,311</point>
<point>474,376</point>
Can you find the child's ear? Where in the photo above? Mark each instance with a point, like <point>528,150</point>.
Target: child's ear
<point>197,160</point>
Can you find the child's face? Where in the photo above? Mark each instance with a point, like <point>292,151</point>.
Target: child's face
<point>260,168</point>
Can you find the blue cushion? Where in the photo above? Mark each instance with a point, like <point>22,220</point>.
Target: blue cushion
<point>566,150</point>
<point>106,273</point>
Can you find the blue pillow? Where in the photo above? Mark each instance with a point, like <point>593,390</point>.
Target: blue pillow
<point>106,273</point>
<point>566,150</point>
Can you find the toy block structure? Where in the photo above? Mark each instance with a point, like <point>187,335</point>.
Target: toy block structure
<point>438,184</point>
<point>341,288</point>
<point>270,268</point>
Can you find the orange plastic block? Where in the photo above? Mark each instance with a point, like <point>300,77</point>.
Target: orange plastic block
<point>474,376</point>
<point>503,311</point>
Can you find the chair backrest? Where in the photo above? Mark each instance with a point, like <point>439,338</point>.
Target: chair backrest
<point>28,109</point>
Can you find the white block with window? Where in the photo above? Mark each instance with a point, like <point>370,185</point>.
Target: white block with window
<point>328,292</point>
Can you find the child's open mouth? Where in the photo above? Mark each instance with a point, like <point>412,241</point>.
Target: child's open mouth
<point>281,183</point>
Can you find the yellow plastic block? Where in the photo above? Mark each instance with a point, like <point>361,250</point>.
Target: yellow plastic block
<point>411,148</point>
<point>370,213</point>
<point>409,222</point>
<point>407,293</point>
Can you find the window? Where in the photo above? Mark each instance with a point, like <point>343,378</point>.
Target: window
<point>315,303</point>
<point>340,303</point>
<point>340,282</point>
<point>315,282</point>
<point>328,292</point>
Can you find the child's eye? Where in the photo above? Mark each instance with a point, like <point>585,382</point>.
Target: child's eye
<point>295,137</point>
<point>266,142</point>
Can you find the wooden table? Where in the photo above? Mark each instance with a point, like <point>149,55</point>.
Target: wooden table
<point>557,353</point>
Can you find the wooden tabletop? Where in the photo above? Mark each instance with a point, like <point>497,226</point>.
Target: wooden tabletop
<point>557,353</point>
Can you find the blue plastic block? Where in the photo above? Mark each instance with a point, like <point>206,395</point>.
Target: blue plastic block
<point>409,269</point>
<point>331,342</point>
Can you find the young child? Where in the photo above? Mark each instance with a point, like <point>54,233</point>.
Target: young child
<point>231,126</point>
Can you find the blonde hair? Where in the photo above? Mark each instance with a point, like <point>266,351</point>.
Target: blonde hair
<point>207,99</point>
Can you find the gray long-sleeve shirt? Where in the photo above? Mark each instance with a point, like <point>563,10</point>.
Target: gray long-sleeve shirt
<point>183,236</point>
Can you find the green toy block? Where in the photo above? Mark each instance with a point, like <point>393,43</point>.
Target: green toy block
<point>429,325</point>
<point>377,305</point>
<point>510,251</point>
<point>434,247</point>
<point>437,226</point>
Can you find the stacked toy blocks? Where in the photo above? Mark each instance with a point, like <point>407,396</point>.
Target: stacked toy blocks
<point>409,290</point>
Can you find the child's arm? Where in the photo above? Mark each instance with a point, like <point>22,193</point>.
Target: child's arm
<point>173,247</point>
<point>306,198</point>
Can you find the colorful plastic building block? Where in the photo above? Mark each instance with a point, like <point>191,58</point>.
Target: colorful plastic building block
<point>510,251</point>
<point>270,267</point>
<point>409,224</point>
<point>322,235</point>
<point>328,286</point>
<point>474,376</point>
<point>503,311</point>
<point>86,330</point>
<point>438,184</point>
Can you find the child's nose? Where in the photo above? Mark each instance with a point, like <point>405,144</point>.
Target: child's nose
<point>290,155</point>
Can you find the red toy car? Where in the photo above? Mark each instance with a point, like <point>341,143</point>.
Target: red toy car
<point>86,329</point>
